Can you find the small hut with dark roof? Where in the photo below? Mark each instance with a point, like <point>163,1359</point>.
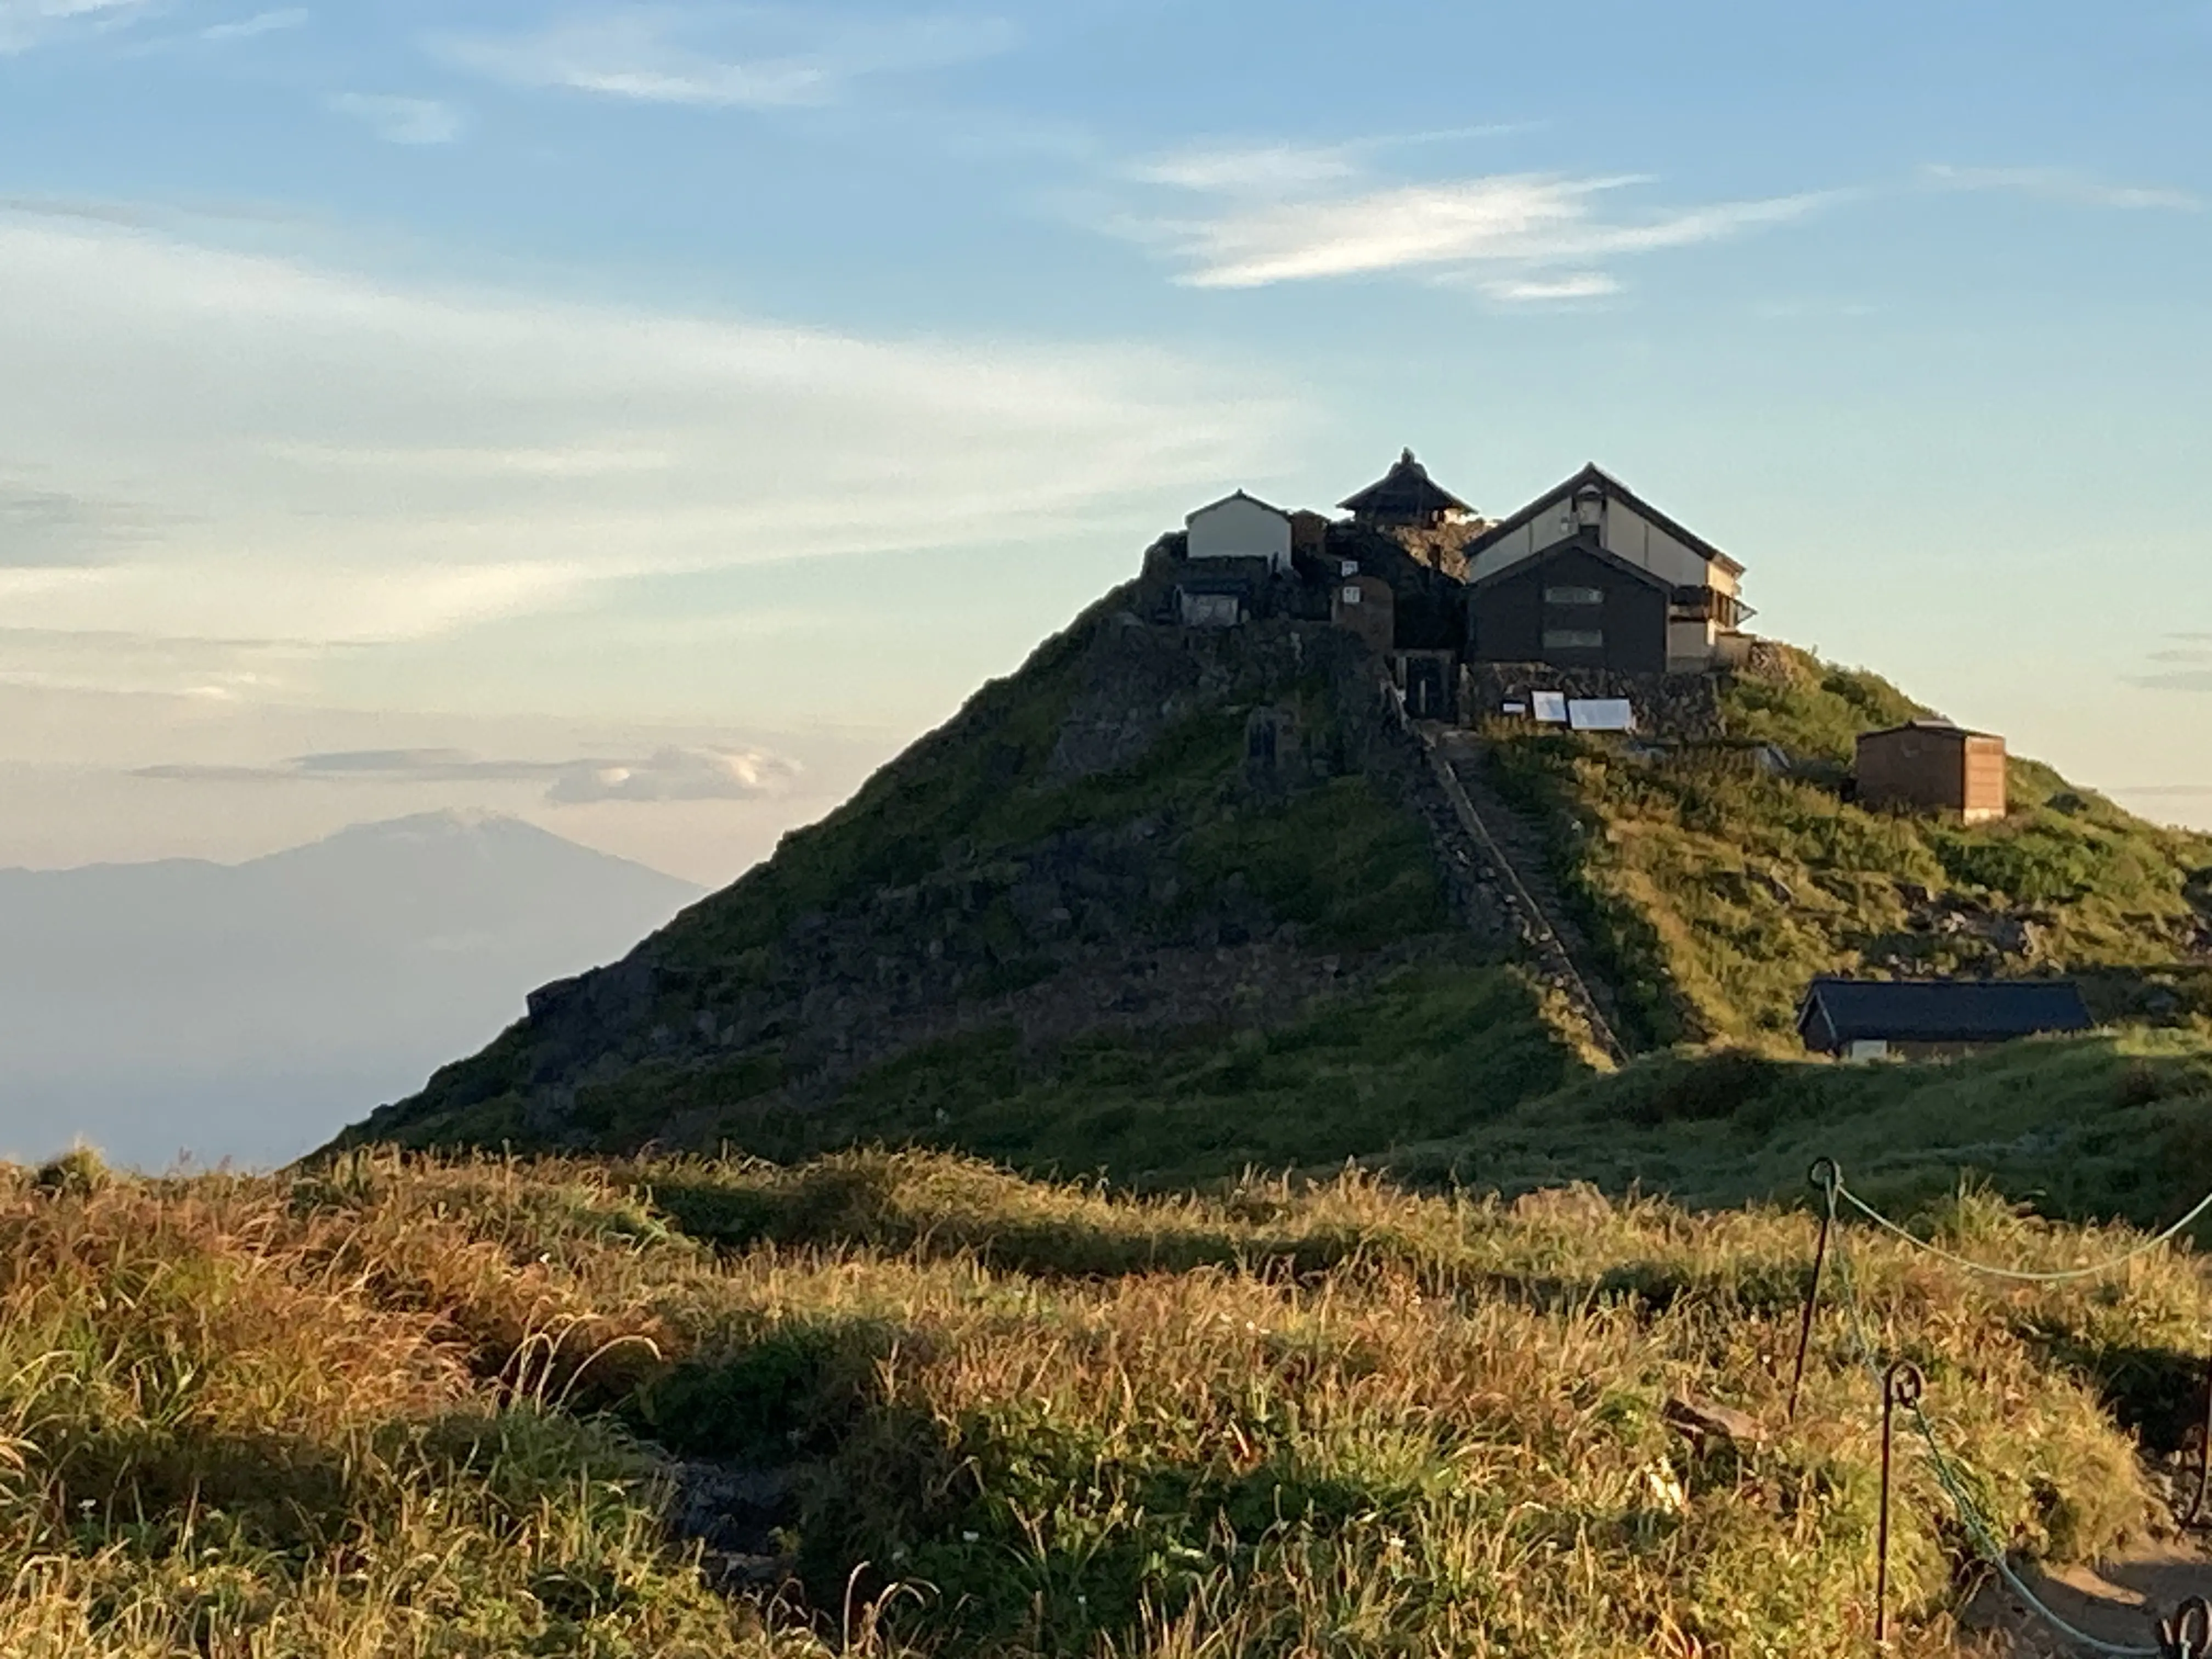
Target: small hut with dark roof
<point>1406,495</point>
<point>1921,1018</point>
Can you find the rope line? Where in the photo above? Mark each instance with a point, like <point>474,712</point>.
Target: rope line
<point>2018,1275</point>
<point>1970,1515</point>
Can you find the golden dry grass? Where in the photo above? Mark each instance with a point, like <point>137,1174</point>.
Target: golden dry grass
<point>419,1409</point>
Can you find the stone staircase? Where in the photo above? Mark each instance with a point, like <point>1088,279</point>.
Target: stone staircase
<point>1518,848</point>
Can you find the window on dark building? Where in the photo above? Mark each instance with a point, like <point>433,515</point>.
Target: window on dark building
<point>1574,596</point>
<point>1574,639</point>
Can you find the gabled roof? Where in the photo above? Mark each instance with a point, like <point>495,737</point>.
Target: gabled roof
<point>1235,496</point>
<point>1406,488</point>
<point>1945,728</point>
<point>1594,474</point>
<point>1941,1009</point>
<point>1583,542</point>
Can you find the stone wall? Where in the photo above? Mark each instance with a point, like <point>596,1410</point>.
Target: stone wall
<point>1685,707</point>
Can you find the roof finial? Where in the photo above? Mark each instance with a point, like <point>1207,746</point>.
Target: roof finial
<point>1406,457</point>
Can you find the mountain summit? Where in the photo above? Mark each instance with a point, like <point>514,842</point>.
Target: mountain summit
<point>1192,892</point>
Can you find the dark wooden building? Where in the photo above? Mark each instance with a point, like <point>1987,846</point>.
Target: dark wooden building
<point>1868,1019</point>
<point>1575,605</point>
<point>1406,495</point>
<point>1623,551</point>
<point>1932,766</point>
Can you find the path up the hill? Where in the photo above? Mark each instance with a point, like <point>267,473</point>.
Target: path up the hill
<point>1518,847</point>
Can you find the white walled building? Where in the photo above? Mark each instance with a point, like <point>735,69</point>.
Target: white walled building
<point>1239,526</point>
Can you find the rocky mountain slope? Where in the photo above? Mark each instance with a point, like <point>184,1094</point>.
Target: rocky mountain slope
<point>1147,838</point>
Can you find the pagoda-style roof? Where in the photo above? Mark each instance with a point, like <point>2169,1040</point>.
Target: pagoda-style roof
<point>1405,495</point>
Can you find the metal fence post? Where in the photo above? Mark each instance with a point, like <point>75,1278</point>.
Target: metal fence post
<point>2188,1634</point>
<point>2203,1458</point>
<point>1826,1174</point>
<point>1900,1386</point>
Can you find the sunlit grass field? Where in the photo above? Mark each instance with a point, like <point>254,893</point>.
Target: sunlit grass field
<point>421,1408</point>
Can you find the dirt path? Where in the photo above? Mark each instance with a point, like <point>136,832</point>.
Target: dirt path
<point>2118,1602</point>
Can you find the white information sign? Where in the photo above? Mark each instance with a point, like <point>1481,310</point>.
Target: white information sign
<point>1600,715</point>
<point>1551,706</point>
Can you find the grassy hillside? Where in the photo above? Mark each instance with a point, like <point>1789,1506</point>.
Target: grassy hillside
<point>1718,890</point>
<point>1073,934</point>
<point>2086,1128</point>
<point>1432,1051</point>
<point>911,1406</point>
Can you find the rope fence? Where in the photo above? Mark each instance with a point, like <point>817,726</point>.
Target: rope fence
<point>2188,1633</point>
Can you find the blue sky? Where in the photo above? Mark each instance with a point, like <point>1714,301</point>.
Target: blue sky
<point>398,402</point>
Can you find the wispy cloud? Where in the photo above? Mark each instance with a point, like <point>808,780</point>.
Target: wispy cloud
<point>398,120</point>
<point>1256,170</point>
<point>2184,664</point>
<point>758,57</point>
<point>2061,185</point>
<point>43,528</point>
<point>261,22</point>
<point>676,774</point>
<point>1505,231</point>
<point>1573,285</point>
<point>27,23</point>
<point>316,456</point>
<point>668,774</point>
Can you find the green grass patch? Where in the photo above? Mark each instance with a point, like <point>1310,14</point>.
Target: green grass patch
<point>1427,1052</point>
<point>1716,893</point>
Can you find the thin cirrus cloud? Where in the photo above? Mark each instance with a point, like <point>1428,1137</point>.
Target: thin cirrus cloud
<point>1286,214</point>
<point>2184,664</point>
<point>400,120</point>
<point>28,23</point>
<point>259,23</point>
<point>1573,285</point>
<point>2061,185</point>
<point>758,59</point>
<point>668,774</point>
<point>46,529</point>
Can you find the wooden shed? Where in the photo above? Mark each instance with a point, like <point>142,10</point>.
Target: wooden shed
<point>1927,1018</point>
<point>1932,766</point>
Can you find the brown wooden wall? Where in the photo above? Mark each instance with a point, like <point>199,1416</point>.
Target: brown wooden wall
<point>1985,777</point>
<point>1933,770</point>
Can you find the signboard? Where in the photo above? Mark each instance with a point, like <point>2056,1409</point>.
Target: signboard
<point>1551,706</point>
<point>1600,715</point>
